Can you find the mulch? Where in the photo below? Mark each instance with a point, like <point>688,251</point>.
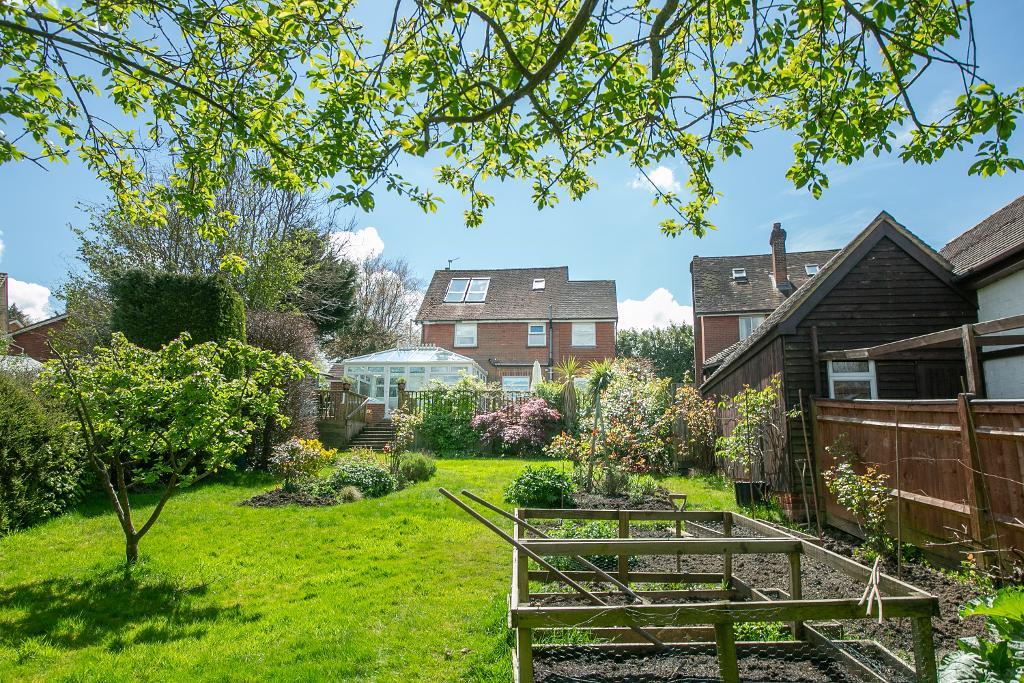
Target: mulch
<point>280,498</point>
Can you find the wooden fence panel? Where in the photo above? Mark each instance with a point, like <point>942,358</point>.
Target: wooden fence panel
<point>941,499</point>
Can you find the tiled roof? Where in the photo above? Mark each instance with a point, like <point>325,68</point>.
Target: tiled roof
<point>735,352</point>
<point>511,296</point>
<point>996,236</point>
<point>715,290</point>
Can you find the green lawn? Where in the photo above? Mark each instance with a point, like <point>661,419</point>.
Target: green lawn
<point>400,588</point>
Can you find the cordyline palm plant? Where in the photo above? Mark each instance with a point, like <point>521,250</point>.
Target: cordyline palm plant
<point>569,370</point>
<point>601,375</point>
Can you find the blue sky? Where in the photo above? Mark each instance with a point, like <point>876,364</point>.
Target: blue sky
<point>612,233</point>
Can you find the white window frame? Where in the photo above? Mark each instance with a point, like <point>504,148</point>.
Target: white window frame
<point>539,283</point>
<point>520,386</point>
<point>465,327</point>
<point>578,328</point>
<point>477,291</point>
<point>870,376</point>
<point>739,273</point>
<point>455,296</point>
<point>532,337</point>
<point>753,325</point>
<point>811,269</point>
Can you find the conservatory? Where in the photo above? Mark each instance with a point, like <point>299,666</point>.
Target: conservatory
<point>377,375</point>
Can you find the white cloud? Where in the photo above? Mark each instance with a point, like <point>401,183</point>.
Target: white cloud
<point>661,178</point>
<point>659,309</point>
<point>360,245</point>
<point>32,299</point>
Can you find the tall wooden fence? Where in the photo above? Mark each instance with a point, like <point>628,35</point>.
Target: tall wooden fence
<point>956,469</point>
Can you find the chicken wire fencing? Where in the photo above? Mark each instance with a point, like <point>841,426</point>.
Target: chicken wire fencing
<point>683,595</point>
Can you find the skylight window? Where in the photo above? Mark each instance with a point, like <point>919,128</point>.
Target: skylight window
<point>539,283</point>
<point>811,269</point>
<point>467,289</point>
<point>739,273</point>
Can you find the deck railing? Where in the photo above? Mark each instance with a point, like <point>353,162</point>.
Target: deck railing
<point>469,401</point>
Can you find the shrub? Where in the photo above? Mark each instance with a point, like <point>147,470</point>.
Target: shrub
<point>151,309</point>
<point>642,487</point>
<point>613,481</point>
<point>446,416</point>
<point>40,462</point>
<point>372,480</point>
<point>416,467</point>
<point>865,496</point>
<point>567,447</point>
<point>349,494</point>
<point>295,335</point>
<point>541,487</point>
<point>297,458</point>
<point>517,428</point>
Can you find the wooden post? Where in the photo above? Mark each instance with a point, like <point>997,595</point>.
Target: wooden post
<point>924,651</point>
<point>975,381</point>
<point>899,495</point>
<point>796,592</point>
<point>817,483</point>
<point>624,558</point>
<point>524,655</point>
<point>983,531</point>
<point>725,639</point>
<point>727,557</point>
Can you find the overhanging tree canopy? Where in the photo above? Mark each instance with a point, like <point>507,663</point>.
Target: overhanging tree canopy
<point>535,90</point>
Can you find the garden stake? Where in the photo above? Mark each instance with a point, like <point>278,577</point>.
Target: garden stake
<point>807,450</point>
<point>544,563</point>
<point>582,560</point>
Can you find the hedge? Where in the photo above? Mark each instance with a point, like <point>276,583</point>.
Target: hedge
<point>151,308</point>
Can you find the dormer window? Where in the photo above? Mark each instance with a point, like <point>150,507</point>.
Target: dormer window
<point>811,269</point>
<point>467,289</point>
<point>538,283</point>
<point>739,273</point>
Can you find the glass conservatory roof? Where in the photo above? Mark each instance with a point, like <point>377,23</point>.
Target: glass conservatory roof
<point>411,354</point>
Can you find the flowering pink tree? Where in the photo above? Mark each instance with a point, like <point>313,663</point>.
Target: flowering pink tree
<point>518,428</point>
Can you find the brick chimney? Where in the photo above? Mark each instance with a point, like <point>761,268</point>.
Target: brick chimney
<point>779,272</point>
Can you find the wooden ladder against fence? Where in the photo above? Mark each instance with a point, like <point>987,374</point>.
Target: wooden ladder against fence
<point>956,468</point>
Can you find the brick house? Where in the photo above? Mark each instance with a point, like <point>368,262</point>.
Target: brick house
<point>31,340</point>
<point>732,295</point>
<point>506,319</point>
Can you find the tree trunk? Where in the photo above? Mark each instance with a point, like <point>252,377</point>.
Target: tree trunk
<point>131,549</point>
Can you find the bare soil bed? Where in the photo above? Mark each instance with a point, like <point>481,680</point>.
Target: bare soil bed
<point>771,572</point>
<point>578,665</point>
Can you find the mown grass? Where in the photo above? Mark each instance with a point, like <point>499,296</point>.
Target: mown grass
<point>401,588</point>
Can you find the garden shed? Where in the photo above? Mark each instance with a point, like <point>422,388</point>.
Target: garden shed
<point>377,375</point>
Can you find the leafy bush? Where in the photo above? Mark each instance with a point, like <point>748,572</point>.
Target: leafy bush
<point>865,496</point>
<point>446,416</point>
<point>641,487</point>
<point>1000,657</point>
<point>541,487</point>
<point>516,429</point>
<point>151,309</point>
<point>700,425</point>
<point>40,461</point>
<point>372,480</point>
<point>593,530</point>
<point>613,480</point>
<point>295,335</point>
<point>405,424</point>
<point>298,458</point>
<point>567,447</point>
<point>415,467</point>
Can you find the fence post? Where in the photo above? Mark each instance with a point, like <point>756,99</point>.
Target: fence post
<point>817,480</point>
<point>624,558</point>
<point>924,651</point>
<point>524,637</point>
<point>725,639</point>
<point>795,592</point>
<point>982,528</point>
<point>727,556</point>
